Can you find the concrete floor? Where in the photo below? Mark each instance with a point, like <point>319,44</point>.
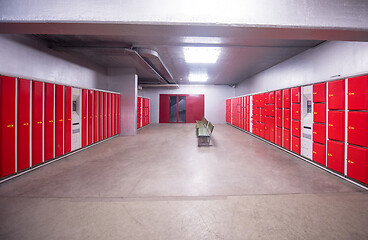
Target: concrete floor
<point>160,185</point>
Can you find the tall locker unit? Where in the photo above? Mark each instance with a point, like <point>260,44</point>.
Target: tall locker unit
<point>279,117</point>
<point>37,122</point>
<point>286,118</point>
<point>59,118</point>
<point>119,114</point>
<point>90,116</point>
<point>319,123</point>
<point>139,112</point>
<point>112,114</point>
<point>67,119</point>
<point>296,117</point>
<point>108,114</point>
<point>49,122</point>
<point>104,115</point>
<point>96,116</point>
<point>101,119</point>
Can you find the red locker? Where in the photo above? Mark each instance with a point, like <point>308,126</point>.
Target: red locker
<point>118,114</point>
<point>319,92</point>
<point>319,153</point>
<point>335,156</point>
<point>295,94</point>
<point>101,113</point>
<point>357,163</point>
<point>319,133</point>
<point>272,129</point>
<point>279,99</point>
<point>279,136</point>
<point>112,114</point>
<point>336,125</point>
<point>68,119</point>
<point>90,116</point>
<point>296,111</point>
<point>96,117</point>
<point>23,125</point>
<point>319,112</point>
<point>37,124</point>
<point>358,128</point>
<point>262,115</point>
<point>336,94</point>
<point>271,98</point>
<point>267,130</point>
<point>287,136</point>
<point>59,120</point>
<point>358,93</point>
<point>296,145</point>
<point>271,110</point>
<point>287,101</point>
<point>261,130</point>
<point>108,114</point>
<point>84,117</point>
<point>279,117</point>
<point>261,100</point>
<point>287,118</point>
<point>266,97</point>
<point>7,125</point>
<point>104,115</point>
<point>296,128</point>
<point>49,121</point>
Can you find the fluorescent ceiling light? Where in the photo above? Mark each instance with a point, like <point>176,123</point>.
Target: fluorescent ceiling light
<point>201,54</point>
<point>198,77</point>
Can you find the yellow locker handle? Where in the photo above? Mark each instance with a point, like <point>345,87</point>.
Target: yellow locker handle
<point>351,93</point>
<point>25,124</point>
<point>10,125</point>
<point>51,121</point>
<point>351,127</point>
<point>60,120</point>
<point>314,152</point>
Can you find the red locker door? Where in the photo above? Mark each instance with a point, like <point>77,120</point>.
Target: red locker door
<point>267,129</point>
<point>336,94</point>
<point>68,119</point>
<point>101,119</point>
<point>287,120</point>
<point>295,95</point>
<point>7,125</point>
<point>59,120</point>
<point>108,114</point>
<point>37,124</point>
<point>319,92</point>
<point>272,129</point>
<point>84,117</point>
<point>279,136</point>
<point>286,139</point>
<point>358,128</point>
<point>271,98</point>
<point>296,145</point>
<point>335,156</point>
<point>296,128</point>
<point>279,99</point>
<point>271,110</point>
<point>358,93</point>
<point>49,122</point>
<point>336,125</point>
<point>118,114</point>
<point>319,153</point>
<point>261,100</point>
<point>279,117</point>
<point>261,129</point>
<point>266,98</point>
<point>112,114</point>
<point>262,115</point>
<point>287,101</point>
<point>23,126</point>
<point>96,118</point>
<point>296,111</point>
<point>319,112</point>
<point>90,116</point>
<point>104,115</point>
<point>319,133</point>
<point>357,164</point>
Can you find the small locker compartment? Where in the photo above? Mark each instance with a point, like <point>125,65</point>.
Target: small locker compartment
<point>286,142</point>
<point>319,92</point>
<point>287,118</point>
<point>37,122</point>
<point>358,128</point>
<point>272,130</point>
<point>358,93</point>
<point>296,145</point>
<point>270,110</point>
<point>295,94</point>
<point>49,122</point>
<point>336,95</point>
<point>319,133</point>
<point>357,163</point>
<point>319,113</point>
<point>336,122</point>
<point>296,111</point>
<point>271,98</point>
<point>287,101</point>
<point>261,130</point>
<point>279,117</point>
<point>296,128</point>
<point>279,99</point>
<point>279,136</point>
<point>335,156</point>
<point>319,153</point>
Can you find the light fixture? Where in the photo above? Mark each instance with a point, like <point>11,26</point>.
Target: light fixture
<point>199,77</point>
<point>201,54</point>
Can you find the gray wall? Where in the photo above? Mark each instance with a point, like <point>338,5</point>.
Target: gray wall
<point>314,65</point>
<point>215,95</point>
<point>25,57</point>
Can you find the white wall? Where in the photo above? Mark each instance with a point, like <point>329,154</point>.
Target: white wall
<point>22,56</point>
<point>314,65</point>
<point>214,99</point>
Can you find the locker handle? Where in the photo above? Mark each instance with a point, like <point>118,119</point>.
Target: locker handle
<point>69,119</point>
<point>60,120</point>
<point>296,145</point>
<point>329,154</point>
<point>330,95</point>
<point>10,125</point>
<point>39,122</point>
<point>350,162</point>
<point>351,93</point>
<point>351,127</point>
<point>51,121</point>
<point>25,124</point>
<point>314,93</point>
<point>314,133</point>
<point>314,152</point>
<point>315,112</point>
<point>330,125</point>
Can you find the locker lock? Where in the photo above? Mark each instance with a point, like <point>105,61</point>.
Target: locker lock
<point>60,120</point>
<point>350,162</point>
<point>39,122</point>
<point>10,125</point>
<point>315,112</point>
<point>330,125</point>
<point>314,132</point>
<point>296,145</point>
<point>25,124</point>
<point>351,93</point>
<point>314,152</point>
<point>51,121</point>
<point>351,128</point>
<point>330,95</point>
<point>329,154</point>
<point>314,93</point>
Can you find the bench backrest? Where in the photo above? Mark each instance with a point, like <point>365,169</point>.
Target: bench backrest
<point>210,127</point>
<point>204,120</point>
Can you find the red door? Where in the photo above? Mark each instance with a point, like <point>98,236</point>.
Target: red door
<point>319,112</point>
<point>287,136</point>
<point>279,117</point>
<point>358,128</point>
<point>287,101</point>
<point>296,128</point>
<point>295,95</point>
<point>319,133</point>
<point>7,125</point>
<point>67,119</point>
<point>37,122</point>
<point>319,153</point>
<point>319,92</point>
<point>90,116</point>
<point>59,117</point>
<point>279,136</point>
<point>23,124</point>
<point>112,114</point>
<point>287,118</point>
<point>296,112</point>
<point>101,113</point>
<point>49,121</point>
<point>108,114</point>
<point>279,99</point>
<point>296,145</point>
<point>96,123</point>
<point>357,164</point>
<point>104,115</point>
<point>118,114</point>
<point>336,94</point>
<point>336,125</point>
<point>84,117</point>
<point>358,93</point>
<point>335,156</point>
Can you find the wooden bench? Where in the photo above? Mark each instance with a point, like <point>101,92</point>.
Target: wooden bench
<point>204,134</point>
<point>201,124</point>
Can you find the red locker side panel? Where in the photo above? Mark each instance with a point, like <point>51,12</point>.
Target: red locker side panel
<point>59,120</point>
<point>358,93</point>
<point>296,111</point>
<point>319,133</point>
<point>336,123</point>
<point>101,114</point>
<point>84,117</point>
<point>104,115</point>
<point>96,116</point>
<point>23,124</point>
<point>296,128</point>
<point>37,124</point>
<point>68,119</point>
<point>319,153</point>
<point>286,142</point>
<point>279,117</point>
<point>296,145</point>
<point>336,94</point>
<point>357,163</point>
<point>279,136</point>
<point>319,92</point>
<point>319,112</point>
<point>287,119</point>
<point>287,98</point>
<point>90,116</point>
<point>7,125</point>
<point>108,114</point>
<point>279,99</point>
<point>112,114</point>
<point>335,156</point>
<point>49,122</point>
<point>358,128</point>
<point>119,114</point>
<point>295,94</point>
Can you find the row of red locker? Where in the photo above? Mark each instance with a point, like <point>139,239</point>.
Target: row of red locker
<point>143,112</point>
<point>36,121</point>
